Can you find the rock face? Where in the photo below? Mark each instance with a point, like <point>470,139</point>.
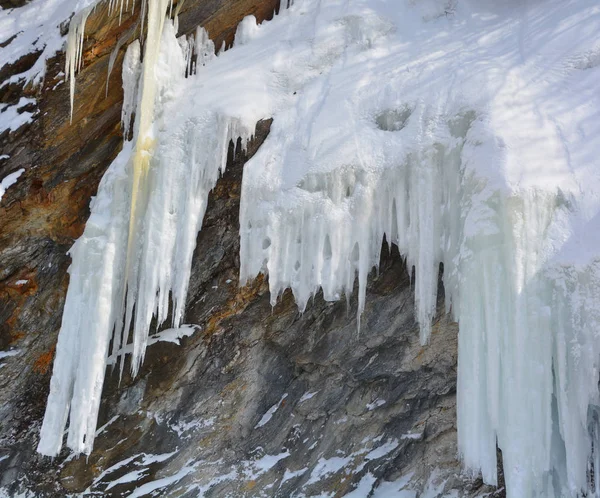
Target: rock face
<point>259,401</point>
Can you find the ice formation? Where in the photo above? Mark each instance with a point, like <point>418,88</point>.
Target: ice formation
<point>118,259</point>
<point>461,131</point>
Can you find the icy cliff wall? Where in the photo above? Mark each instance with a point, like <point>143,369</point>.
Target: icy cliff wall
<point>489,171</point>
<point>443,169</point>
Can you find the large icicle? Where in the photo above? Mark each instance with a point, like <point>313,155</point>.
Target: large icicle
<point>133,273</point>
<point>131,77</point>
<point>99,262</point>
<point>492,189</point>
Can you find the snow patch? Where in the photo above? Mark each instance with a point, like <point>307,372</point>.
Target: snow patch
<point>8,354</point>
<point>375,404</point>
<point>9,180</point>
<point>270,412</point>
<point>306,396</point>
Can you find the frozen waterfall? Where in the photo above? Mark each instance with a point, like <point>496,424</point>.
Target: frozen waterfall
<point>464,132</point>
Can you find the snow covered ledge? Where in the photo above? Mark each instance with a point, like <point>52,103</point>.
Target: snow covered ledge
<point>452,128</point>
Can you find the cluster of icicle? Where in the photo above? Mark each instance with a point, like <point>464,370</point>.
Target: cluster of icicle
<point>521,386</point>
<point>519,317</point>
<point>135,254</point>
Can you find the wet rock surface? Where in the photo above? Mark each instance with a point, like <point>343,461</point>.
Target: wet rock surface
<point>260,400</point>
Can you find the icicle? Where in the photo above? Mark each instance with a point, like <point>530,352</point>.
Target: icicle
<point>77,381</point>
<point>116,276</point>
<point>131,79</point>
<point>205,47</point>
<point>115,52</point>
<point>74,50</point>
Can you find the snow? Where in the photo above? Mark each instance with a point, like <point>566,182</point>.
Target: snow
<point>172,335</point>
<point>464,132</point>
<point>12,117</point>
<point>326,466</point>
<point>36,27</point>
<point>375,404</point>
<point>363,488</point>
<point>183,428</point>
<point>292,474</point>
<point>132,476</point>
<point>306,396</point>
<point>9,180</point>
<point>269,413</point>
<point>101,429</point>
<point>382,450</point>
<point>142,460</point>
<point>414,436</point>
<point>401,488</point>
<point>254,468</point>
<point>8,354</point>
<point>157,484</point>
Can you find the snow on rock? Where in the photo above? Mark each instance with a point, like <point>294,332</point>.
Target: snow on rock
<point>173,335</point>
<point>464,132</point>
<point>141,461</point>
<point>12,117</point>
<point>270,412</point>
<point>35,27</point>
<point>8,181</point>
<point>8,354</point>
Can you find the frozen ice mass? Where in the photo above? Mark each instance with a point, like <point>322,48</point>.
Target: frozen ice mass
<point>466,132</point>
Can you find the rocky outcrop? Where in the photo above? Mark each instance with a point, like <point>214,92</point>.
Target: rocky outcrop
<point>259,401</point>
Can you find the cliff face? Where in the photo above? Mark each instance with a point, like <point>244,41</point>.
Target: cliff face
<point>258,401</point>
